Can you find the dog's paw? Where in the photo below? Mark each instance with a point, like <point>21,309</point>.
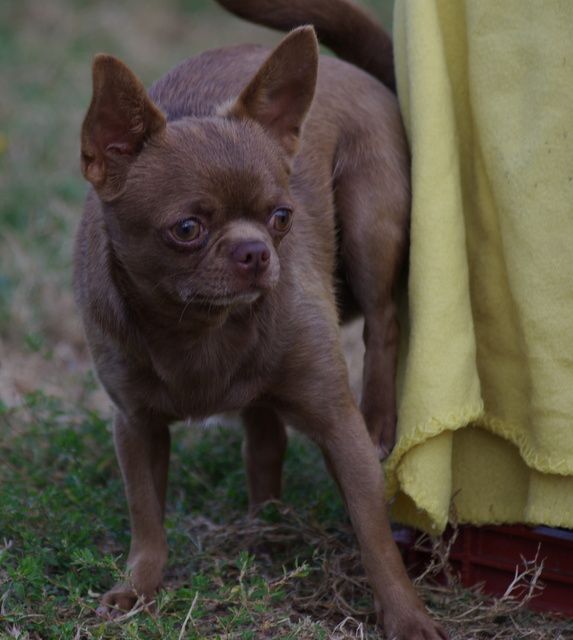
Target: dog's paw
<point>382,451</point>
<point>119,600</point>
<point>382,432</point>
<point>417,625</point>
<point>144,581</point>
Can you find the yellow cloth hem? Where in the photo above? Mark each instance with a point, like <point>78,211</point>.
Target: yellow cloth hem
<point>420,434</point>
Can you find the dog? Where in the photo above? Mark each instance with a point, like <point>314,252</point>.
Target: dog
<point>239,209</point>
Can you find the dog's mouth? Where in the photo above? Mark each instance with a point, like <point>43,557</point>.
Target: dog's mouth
<point>218,294</point>
<point>226,300</point>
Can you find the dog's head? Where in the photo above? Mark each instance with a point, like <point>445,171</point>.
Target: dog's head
<point>197,208</point>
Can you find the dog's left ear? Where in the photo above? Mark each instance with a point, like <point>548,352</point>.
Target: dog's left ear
<point>280,94</point>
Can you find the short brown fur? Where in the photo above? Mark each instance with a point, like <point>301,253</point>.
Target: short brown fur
<point>225,200</point>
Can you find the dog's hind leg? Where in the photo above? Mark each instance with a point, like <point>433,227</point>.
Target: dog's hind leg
<point>263,450</point>
<point>372,206</point>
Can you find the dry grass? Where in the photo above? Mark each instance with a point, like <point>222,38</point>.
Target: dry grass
<point>337,592</point>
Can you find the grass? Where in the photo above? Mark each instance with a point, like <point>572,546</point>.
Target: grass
<point>294,572</point>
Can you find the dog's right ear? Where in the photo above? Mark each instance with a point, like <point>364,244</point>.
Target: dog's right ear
<point>280,94</point>
<point>120,119</point>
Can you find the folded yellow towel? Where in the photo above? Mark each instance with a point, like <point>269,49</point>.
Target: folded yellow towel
<point>486,402</point>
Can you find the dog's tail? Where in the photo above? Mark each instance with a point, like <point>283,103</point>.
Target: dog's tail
<point>340,25</point>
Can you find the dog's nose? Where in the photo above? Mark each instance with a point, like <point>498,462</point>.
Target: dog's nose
<point>251,257</point>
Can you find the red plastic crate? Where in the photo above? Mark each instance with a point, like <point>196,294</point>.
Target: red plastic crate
<point>489,555</point>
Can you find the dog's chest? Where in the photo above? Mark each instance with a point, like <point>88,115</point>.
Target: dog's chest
<point>222,371</point>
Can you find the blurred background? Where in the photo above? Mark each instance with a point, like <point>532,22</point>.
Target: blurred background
<point>46,49</point>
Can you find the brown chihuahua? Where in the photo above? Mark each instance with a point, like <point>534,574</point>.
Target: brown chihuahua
<point>231,205</point>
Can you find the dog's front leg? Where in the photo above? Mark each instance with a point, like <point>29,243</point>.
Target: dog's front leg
<point>142,446</point>
<point>352,459</point>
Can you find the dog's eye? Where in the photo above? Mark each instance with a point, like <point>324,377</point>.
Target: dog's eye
<point>186,230</point>
<point>281,219</point>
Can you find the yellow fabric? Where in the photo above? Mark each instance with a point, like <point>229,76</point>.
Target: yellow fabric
<point>486,402</point>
